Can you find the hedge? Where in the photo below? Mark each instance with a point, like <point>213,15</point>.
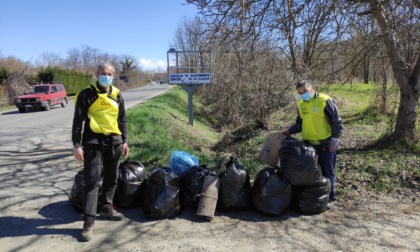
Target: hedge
<point>73,81</point>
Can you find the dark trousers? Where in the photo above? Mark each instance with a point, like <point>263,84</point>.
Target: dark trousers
<point>100,160</point>
<point>326,160</point>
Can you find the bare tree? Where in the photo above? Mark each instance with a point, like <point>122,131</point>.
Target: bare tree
<point>128,64</point>
<point>299,30</point>
<point>72,62</point>
<point>129,73</point>
<point>84,60</point>
<point>90,58</point>
<point>399,23</point>
<point>15,83</point>
<point>189,38</point>
<point>47,59</point>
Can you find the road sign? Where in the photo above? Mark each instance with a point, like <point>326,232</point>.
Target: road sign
<point>190,78</point>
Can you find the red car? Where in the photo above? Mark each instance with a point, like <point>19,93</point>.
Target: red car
<point>42,97</point>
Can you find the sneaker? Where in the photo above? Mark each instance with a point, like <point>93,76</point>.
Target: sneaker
<point>87,232</point>
<point>108,211</point>
<point>330,205</point>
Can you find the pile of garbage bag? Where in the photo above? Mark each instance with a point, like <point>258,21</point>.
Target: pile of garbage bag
<point>295,182</point>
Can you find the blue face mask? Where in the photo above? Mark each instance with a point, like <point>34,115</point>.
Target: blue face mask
<point>105,81</point>
<point>306,96</point>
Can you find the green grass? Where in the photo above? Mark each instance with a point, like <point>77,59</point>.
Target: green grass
<point>2,108</point>
<point>161,125</point>
<point>365,162</point>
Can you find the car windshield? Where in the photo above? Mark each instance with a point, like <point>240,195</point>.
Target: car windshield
<point>41,89</point>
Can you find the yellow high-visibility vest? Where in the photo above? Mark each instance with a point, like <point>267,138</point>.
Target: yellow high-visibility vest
<point>103,113</point>
<point>315,125</point>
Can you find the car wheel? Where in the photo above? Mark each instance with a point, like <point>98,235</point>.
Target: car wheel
<point>22,110</point>
<point>47,106</point>
<point>64,103</point>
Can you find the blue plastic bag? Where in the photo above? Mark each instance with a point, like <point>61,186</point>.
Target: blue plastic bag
<point>181,161</point>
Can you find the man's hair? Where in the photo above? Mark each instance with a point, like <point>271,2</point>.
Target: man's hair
<point>303,83</point>
<point>105,65</point>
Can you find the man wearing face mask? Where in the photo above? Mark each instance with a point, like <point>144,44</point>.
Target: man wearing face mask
<point>104,139</point>
<point>321,126</point>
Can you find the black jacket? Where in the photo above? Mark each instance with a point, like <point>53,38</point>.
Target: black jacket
<point>85,98</point>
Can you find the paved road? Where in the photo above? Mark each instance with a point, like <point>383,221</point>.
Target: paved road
<point>37,168</point>
<point>26,131</point>
<point>22,134</point>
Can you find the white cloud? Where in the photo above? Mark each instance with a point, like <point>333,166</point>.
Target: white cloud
<point>153,65</point>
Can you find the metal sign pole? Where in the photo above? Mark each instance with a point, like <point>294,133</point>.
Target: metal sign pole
<point>190,90</point>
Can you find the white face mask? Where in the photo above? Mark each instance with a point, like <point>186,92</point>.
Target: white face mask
<point>105,80</point>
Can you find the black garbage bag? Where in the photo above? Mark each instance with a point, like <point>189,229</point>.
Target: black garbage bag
<point>312,199</point>
<point>235,188</point>
<point>270,194</point>
<point>76,194</point>
<point>161,194</point>
<point>191,185</point>
<point>299,162</point>
<point>131,175</point>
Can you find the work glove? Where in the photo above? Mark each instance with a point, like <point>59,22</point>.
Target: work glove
<point>286,133</point>
<point>333,144</point>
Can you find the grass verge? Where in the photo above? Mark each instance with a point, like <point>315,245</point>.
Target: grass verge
<point>161,125</point>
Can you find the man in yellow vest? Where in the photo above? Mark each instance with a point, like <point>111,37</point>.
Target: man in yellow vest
<point>321,126</point>
<point>101,108</point>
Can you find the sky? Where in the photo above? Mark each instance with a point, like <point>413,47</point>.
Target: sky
<point>142,29</point>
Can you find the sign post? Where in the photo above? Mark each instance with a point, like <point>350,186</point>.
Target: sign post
<point>189,69</point>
